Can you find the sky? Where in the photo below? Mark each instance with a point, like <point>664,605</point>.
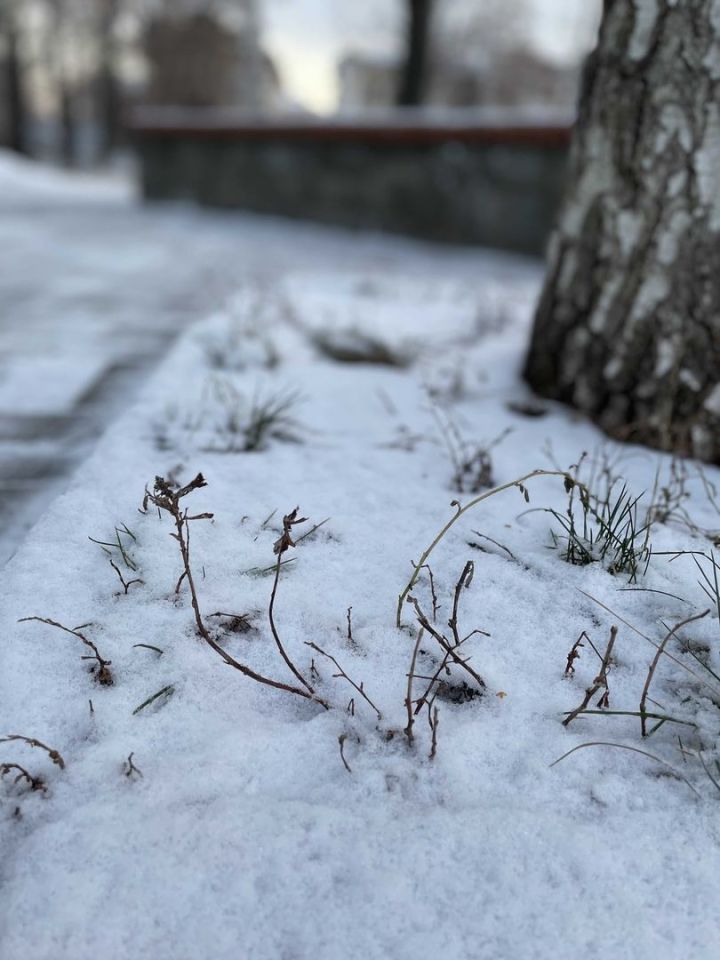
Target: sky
<point>306,37</point>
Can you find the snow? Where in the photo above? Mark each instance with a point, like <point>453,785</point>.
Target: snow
<point>246,836</point>
<point>96,286</point>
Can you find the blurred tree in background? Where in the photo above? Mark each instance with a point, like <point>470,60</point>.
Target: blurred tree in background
<point>70,68</point>
<point>415,67</point>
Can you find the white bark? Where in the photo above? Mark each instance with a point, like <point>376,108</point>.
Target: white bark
<point>628,327</point>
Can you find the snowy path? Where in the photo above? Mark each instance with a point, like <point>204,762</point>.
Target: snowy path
<point>94,288</point>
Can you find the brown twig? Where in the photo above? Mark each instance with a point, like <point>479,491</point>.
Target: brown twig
<point>167,499</point>
<point>341,741</point>
<point>461,511</point>
<point>599,683</point>
<point>282,544</point>
<point>341,673</point>
<point>464,581</point>
<point>130,768</point>
<point>410,677</point>
<point>101,671</point>
<point>32,742</point>
<point>444,643</point>
<point>433,594</point>
<point>126,583</point>
<point>653,666</point>
<point>35,783</point>
<point>434,684</point>
<point>434,726</point>
<point>574,654</point>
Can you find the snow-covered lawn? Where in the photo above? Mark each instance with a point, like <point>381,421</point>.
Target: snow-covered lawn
<point>251,822</point>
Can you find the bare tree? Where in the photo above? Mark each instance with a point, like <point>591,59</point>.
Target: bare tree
<point>628,325</point>
<point>14,106</point>
<point>109,96</point>
<point>414,74</point>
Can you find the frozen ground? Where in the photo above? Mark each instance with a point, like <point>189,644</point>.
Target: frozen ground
<point>94,288</point>
<point>253,823</point>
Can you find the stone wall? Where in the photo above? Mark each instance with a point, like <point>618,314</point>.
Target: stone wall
<point>499,186</point>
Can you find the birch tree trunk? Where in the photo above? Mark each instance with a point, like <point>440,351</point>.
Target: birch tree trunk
<point>628,325</point>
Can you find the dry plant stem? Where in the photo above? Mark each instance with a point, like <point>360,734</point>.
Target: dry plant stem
<point>32,742</point>
<point>434,725</point>
<point>676,660</point>
<point>341,741</point>
<point>460,511</point>
<point>149,646</point>
<point>411,675</point>
<point>623,746</point>
<point>167,499</point>
<point>465,580</point>
<point>125,583</point>
<point>276,636</point>
<point>103,675</point>
<point>35,783</point>
<point>574,655</point>
<point>433,594</point>
<point>599,683</point>
<point>653,666</point>
<point>341,673</point>
<point>450,651</point>
<point>131,769</point>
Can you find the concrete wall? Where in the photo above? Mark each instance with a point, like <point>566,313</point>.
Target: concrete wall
<point>499,187</point>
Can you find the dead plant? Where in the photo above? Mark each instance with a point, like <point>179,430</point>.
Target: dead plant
<point>54,755</point>
<point>598,684</point>
<point>460,511</point>
<point>101,667</point>
<point>168,499</point>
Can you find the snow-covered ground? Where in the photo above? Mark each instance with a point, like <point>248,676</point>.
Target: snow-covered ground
<point>94,287</point>
<point>251,822</point>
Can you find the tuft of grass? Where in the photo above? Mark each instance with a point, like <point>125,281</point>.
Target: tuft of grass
<point>119,547</point>
<point>605,529</point>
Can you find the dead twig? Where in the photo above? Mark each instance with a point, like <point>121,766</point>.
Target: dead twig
<point>32,742</point>
<point>101,670</point>
<point>464,581</point>
<point>129,768</point>
<point>341,741</point>
<point>434,727</point>
<point>164,497</point>
<point>444,643</point>
<point>599,683</point>
<point>341,673</point>
<point>574,654</point>
<point>461,511</point>
<point>411,675</point>
<point>282,544</point>
<point>125,583</point>
<point>35,783</point>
